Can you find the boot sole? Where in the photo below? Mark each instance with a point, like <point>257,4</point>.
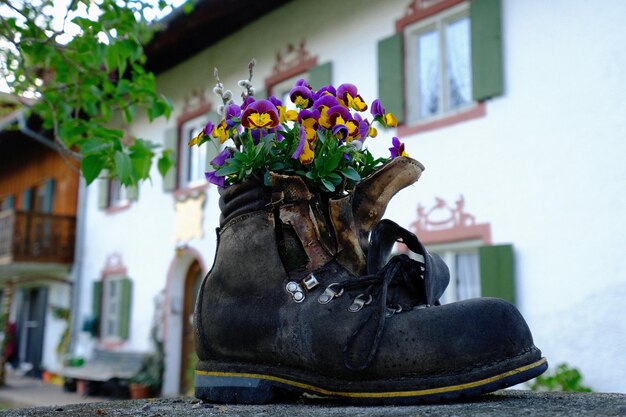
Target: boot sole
<point>261,388</point>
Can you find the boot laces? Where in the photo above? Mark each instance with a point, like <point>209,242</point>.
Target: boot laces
<point>383,291</point>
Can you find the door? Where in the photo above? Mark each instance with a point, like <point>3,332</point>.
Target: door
<point>32,326</point>
<point>188,358</point>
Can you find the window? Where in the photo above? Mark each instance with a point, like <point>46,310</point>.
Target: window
<point>438,65</point>
<point>114,196</point>
<point>192,160</point>
<point>112,298</point>
<point>282,89</point>
<point>462,259</point>
<point>443,62</point>
<point>7,202</point>
<point>117,194</point>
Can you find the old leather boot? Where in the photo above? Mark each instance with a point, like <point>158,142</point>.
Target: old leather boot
<point>299,300</point>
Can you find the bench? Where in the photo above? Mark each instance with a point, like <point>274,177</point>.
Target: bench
<point>107,369</point>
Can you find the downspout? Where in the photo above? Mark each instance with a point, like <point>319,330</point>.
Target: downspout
<point>77,268</point>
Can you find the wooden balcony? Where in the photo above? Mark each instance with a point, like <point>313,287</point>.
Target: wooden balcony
<point>28,237</point>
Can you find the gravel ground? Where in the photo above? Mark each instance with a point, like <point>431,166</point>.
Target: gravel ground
<point>503,403</point>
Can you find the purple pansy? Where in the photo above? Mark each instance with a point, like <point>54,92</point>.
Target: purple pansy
<point>340,131</point>
<point>261,114</point>
<point>232,110</point>
<point>208,129</point>
<point>276,102</point>
<point>338,111</point>
<point>221,157</point>
<point>246,102</point>
<point>300,147</point>
<point>345,89</point>
<point>301,96</point>
<point>322,92</point>
<point>397,149</point>
<point>377,109</point>
<point>214,179</point>
<point>325,101</point>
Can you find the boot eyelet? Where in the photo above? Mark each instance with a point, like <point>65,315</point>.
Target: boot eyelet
<point>295,290</point>
<point>359,302</point>
<point>329,294</point>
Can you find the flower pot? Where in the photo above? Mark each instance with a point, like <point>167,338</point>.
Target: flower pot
<point>139,391</point>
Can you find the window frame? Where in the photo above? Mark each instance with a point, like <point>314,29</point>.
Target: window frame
<point>411,33</point>
<point>448,252</point>
<point>191,126</point>
<point>109,315</point>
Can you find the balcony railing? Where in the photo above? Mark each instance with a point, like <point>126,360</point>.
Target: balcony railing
<point>36,237</point>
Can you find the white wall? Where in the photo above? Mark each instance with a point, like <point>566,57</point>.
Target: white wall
<point>544,166</point>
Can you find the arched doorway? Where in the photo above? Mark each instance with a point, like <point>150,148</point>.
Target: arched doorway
<point>193,279</point>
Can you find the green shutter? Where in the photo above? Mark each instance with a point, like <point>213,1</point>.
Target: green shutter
<point>391,75</point>
<point>260,95</point>
<point>132,192</point>
<point>487,79</point>
<point>497,274</point>
<point>10,202</point>
<point>48,202</point>
<point>103,193</point>
<point>96,303</point>
<point>27,199</point>
<point>321,75</point>
<point>170,141</point>
<point>124,317</point>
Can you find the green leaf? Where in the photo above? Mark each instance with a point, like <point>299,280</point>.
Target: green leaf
<point>165,162</point>
<point>227,170</point>
<point>141,165</point>
<point>91,166</point>
<point>95,146</point>
<point>351,174</point>
<point>328,185</point>
<point>124,168</point>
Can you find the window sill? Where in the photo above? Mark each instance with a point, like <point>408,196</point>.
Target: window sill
<point>475,112</point>
<point>124,205</point>
<point>191,190</point>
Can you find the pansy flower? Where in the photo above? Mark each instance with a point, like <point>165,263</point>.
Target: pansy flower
<point>221,131</point>
<point>221,157</point>
<point>199,139</point>
<point>397,149</point>
<point>261,114</point>
<point>303,152</point>
<point>309,120</point>
<point>214,179</point>
<point>301,96</point>
<point>378,111</point>
<point>327,90</point>
<point>322,105</point>
<point>232,111</point>
<point>348,95</point>
<point>338,115</point>
<point>363,127</point>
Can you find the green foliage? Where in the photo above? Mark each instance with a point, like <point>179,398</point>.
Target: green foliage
<point>85,72</point>
<point>563,378</point>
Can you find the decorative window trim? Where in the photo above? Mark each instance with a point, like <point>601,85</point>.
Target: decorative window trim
<point>421,9</point>
<point>459,225</point>
<point>290,62</point>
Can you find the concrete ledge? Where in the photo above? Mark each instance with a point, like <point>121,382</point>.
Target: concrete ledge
<point>503,403</point>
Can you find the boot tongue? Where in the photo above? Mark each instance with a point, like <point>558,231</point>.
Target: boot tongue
<point>428,275</point>
<point>374,192</point>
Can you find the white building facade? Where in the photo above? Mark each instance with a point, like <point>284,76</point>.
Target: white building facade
<point>533,166</point>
